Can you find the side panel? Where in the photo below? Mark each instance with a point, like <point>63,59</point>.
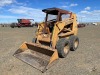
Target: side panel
<point>74,28</point>
<point>57,28</point>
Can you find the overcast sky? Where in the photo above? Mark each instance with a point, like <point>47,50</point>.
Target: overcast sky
<point>10,10</point>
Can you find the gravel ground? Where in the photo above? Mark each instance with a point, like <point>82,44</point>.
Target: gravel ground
<point>84,61</point>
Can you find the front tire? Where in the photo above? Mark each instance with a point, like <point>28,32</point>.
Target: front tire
<point>63,47</point>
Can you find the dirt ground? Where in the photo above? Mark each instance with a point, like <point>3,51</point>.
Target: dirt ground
<point>84,61</point>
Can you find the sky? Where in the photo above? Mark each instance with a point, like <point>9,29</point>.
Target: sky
<point>11,10</point>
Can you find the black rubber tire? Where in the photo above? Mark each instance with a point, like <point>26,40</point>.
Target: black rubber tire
<point>72,40</point>
<point>34,40</point>
<point>12,26</point>
<point>19,26</point>
<point>60,47</point>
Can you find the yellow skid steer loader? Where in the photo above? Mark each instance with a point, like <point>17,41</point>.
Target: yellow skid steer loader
<point>54,38</point>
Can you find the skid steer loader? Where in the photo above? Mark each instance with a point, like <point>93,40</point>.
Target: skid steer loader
<point>54,38</point>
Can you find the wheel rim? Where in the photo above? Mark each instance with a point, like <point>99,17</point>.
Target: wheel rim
<point>76,43</point>
<point>66,48</point>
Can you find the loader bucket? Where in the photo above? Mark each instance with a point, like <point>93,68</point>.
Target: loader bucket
<point>39,56</point>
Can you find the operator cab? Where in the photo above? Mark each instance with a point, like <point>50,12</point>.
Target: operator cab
<point>54,15</point>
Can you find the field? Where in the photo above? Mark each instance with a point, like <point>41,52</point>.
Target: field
<point>84,61</point>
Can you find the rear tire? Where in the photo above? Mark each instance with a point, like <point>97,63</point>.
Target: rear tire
<point>63,47</point>
<point>74,42</point>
